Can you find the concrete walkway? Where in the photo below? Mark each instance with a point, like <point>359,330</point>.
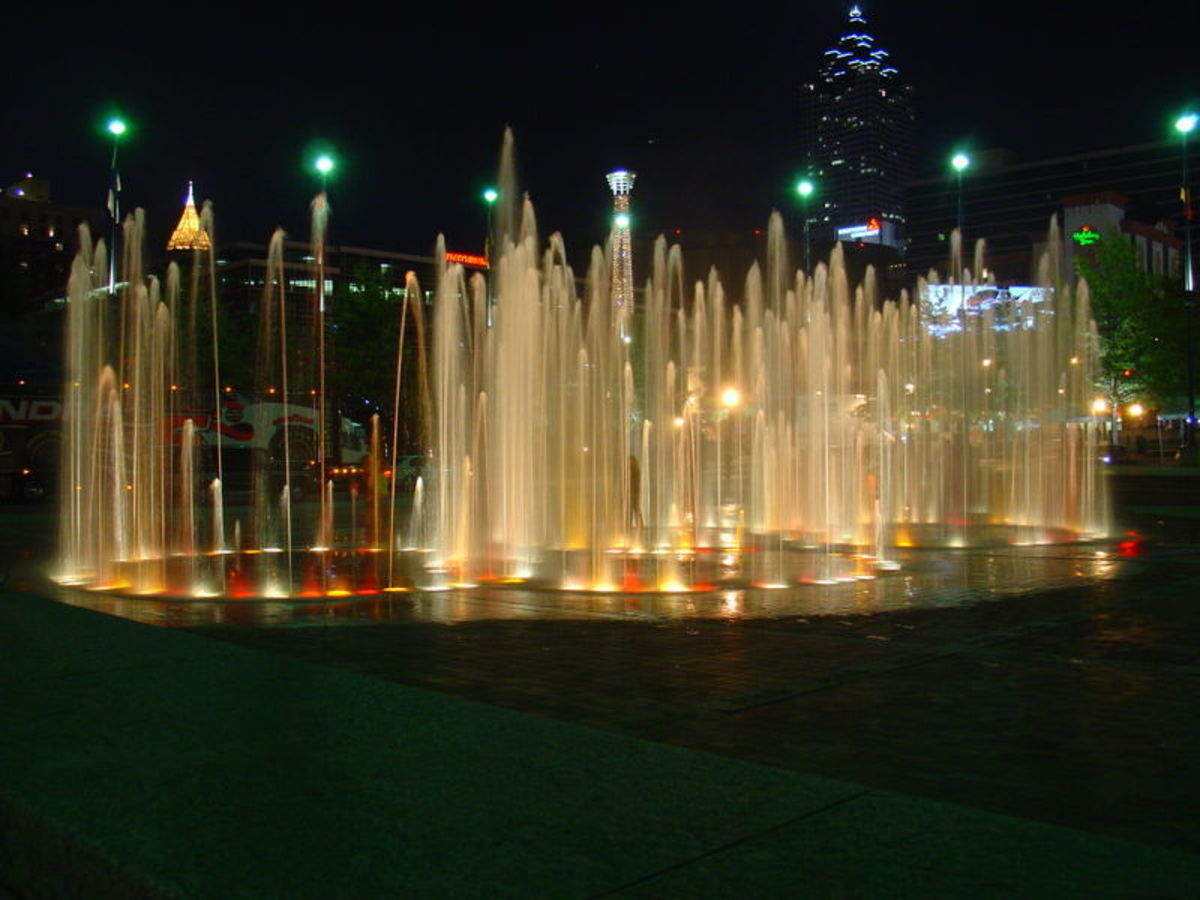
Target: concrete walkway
<point>137,761</point>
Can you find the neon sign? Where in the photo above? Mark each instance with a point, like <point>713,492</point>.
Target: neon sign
<point>1085,236</point>
<point>858,232</point>
<point>467,259</point>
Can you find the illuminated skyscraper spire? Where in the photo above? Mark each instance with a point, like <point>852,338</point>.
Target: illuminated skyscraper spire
<point>858,135</point>
<point>621,182</point>
<point>188,234</point>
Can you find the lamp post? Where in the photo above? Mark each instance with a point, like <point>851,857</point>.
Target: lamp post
<point>1184,125</point>
<point>324,164</point>
<point>804,188</point>
<point>960,162</point>
<point>115,127</point>
<point>490,196</point>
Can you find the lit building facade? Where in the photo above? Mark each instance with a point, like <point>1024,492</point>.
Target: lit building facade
<point>38,240</point>
<point>858,141</point>
<point>1009,203</point>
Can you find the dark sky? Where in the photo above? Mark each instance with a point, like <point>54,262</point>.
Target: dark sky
<point>702,101</point>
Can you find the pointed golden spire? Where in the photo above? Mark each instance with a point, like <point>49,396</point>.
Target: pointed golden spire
<point>188,235</point>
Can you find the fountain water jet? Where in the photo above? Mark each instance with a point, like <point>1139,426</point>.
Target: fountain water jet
<point>796,435</point>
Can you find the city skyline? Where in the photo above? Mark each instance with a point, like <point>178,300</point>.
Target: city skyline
<point>413,161</point>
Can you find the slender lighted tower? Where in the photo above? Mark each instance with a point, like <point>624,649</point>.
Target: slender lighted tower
<point>621,182</point>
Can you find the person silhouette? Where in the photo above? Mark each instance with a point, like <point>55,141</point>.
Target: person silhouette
<point>635,494</point>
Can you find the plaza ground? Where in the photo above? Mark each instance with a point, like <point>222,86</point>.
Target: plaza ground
<point>1042,742</point>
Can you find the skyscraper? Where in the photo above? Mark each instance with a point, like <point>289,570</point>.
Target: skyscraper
<point>621,183</point>
<point>858,139</point>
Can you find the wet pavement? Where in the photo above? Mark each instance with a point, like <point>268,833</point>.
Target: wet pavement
<point>1051,683</point>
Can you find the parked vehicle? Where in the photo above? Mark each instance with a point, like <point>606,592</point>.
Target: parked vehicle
<point>30,438</point>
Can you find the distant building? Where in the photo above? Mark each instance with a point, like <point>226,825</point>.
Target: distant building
<point>242,270</point>
<point>38,240</point>
<point>858,141</point>
<point>1134,190</point>
<point>189,234</point>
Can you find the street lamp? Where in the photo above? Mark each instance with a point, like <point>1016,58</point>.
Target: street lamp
<point>1184,125</point>
<point>804,188</point>
<point>960,161</point>
<point>490,196</point>
<point>324,164</point>
<point>116,127</point>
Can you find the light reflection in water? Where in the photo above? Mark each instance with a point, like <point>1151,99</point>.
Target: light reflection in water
<point>928,579</point>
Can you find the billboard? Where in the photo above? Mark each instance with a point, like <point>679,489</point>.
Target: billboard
<point>945,307</point>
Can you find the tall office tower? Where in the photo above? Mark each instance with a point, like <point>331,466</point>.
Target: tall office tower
<point>858,140</point>
<point>621,183</point>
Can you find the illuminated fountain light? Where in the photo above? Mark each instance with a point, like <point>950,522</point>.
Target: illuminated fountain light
<point>769,429</point>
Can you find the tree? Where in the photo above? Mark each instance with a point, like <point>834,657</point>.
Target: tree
<point>364,328</point>
<point>1140,320</point>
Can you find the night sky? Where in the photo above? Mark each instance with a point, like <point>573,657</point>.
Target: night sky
<point>703,104</point>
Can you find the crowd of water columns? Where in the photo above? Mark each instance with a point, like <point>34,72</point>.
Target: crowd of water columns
<point>807,419</point>
<point>810,414</point>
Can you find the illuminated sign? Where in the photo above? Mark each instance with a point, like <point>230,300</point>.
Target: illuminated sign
<point>1085,236</point>
<point>944,307</point>
<point>467,259</point>
<point>859,232</point>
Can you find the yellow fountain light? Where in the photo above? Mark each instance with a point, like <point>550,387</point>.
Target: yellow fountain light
<point>679,421</point>
<point>731,397</point>
<point>987,361</point>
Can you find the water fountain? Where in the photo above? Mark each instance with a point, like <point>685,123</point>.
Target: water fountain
<point>798,434</point>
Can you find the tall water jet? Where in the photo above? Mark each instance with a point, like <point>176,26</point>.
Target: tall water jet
<point>796,431</point>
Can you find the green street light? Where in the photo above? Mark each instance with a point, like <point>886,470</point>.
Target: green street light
<point>490,196</point>
<point>805,188</point>
<point>115,128</point>
<point>1184,125</point>
<point>960,161</point>
<point>323,165</point>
